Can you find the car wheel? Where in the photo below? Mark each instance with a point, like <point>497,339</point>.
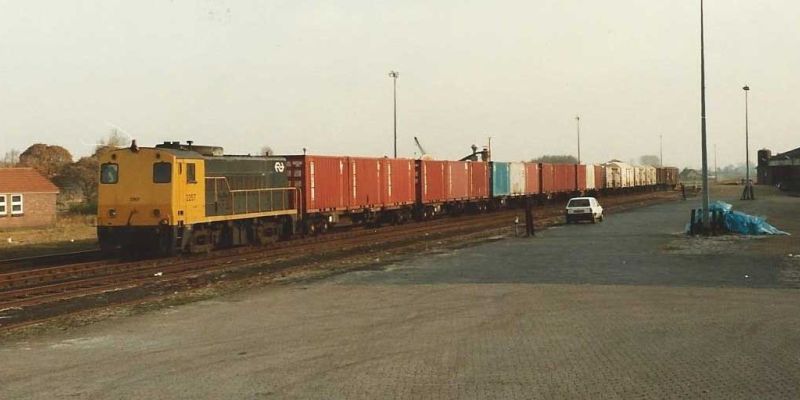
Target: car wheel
<point>601,217</point>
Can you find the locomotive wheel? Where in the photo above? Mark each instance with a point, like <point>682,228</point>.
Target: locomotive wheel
<point>266,233</point>
<point>201,241</point>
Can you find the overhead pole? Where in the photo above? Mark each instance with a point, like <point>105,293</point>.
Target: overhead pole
<point>705,201</point>
<point>394,75</point>
<point>748,187</point>
<point>661,150</point>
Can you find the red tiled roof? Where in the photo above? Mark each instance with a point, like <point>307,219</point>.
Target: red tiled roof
<point>24,180</point>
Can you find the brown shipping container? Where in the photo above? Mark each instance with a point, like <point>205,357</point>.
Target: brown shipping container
<point>547,174</point>
<point>532,178</point>
<point>479,180</point>
<point>599,177</point>
<point>399,174</point>
<point>581,184</point>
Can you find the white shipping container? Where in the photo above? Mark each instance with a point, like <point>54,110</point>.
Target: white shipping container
<point>590,177</point>
<point>649,175</point>
<point>620,174</point>
<point>517,178</point>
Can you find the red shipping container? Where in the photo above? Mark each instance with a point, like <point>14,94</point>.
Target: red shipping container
<point>398,175</point>
<point>323,181</point>
<point>458,180</point>
<point>532,178</point>
<point>599,177</point>
<point>581,183</point>
<point>547,181</point>
<point>564,177</point>
<point>479,180</point>
<point>366,188</point>
<point>432,181</point>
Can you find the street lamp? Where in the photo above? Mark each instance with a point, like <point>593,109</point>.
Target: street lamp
<point>394,75</point>
<point>578,124</point>
<point>747,194</point>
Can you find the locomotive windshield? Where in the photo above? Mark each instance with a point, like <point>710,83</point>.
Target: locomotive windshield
<point>162,172</point>
<point>109,173</point>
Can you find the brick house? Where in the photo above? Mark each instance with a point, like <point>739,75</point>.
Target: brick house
<point>27,199</point>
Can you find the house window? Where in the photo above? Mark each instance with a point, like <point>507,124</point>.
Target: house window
<point>190,178</point>
<point>16,204</point>
<point>3,205</point>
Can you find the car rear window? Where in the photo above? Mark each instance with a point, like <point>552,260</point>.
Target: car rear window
<point>578,203</point>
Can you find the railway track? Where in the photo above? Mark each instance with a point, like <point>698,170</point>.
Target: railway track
<point>18,263</point>
<point>37,289</point>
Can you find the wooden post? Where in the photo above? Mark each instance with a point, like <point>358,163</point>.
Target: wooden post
<point>529,229</point>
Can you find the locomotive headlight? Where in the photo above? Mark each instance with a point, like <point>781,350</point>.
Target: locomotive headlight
<point>156,212</point>
<point>112,212</point>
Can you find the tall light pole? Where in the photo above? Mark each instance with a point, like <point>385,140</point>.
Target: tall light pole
<point>704,213</point>
<point>748,187</point>
<point>578,124</point>
<point>394,75</point>
<point>661,150</point>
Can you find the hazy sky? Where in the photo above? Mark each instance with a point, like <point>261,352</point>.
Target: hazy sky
<point>294,74</point>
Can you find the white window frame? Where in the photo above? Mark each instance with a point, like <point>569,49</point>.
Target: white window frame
<point>19,203</point>
<point>4,205</point>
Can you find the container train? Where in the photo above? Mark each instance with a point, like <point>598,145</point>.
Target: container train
<point>178,197</point>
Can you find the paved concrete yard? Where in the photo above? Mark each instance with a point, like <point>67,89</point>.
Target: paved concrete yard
<point>643,316</point>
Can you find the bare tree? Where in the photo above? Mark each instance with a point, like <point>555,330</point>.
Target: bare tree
<point>114,140</point>
<point>556,159</point>
<point>10,159</point>
<point>650,160</point>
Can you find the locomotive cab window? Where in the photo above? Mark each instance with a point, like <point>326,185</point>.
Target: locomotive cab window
<point>109,173</point>
<point>162,172</point>
<point>190,173</point>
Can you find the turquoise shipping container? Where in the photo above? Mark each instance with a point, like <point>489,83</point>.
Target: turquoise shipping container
<point>501,186</point>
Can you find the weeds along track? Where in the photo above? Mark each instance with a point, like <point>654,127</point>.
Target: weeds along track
<point>41,288</point>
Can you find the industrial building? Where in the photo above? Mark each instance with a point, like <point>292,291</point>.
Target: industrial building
<point>781,170</point>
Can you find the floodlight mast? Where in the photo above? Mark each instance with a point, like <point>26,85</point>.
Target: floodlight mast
<point>394,75</point>
<point>705,201</point>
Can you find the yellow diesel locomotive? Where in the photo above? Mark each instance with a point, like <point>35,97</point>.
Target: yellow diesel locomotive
<point>183,198</point>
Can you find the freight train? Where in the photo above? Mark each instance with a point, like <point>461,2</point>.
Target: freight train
<point>178,197</point>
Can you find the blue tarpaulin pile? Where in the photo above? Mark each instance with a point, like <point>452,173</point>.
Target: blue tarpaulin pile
<point>739,222</point>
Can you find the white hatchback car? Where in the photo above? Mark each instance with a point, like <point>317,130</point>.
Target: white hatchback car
<point>583,208</point>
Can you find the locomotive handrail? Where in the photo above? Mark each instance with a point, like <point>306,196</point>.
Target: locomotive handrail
<point>292,200</point>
